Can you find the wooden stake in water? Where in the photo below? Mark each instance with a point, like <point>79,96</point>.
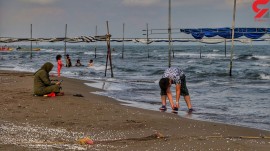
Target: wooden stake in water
<point>200,51</point>
<point>169,32</point>
<point>31,42</point>
<point>225,45</point>
<point>147,39</point>
<point>65,48</point>
<point>172,51</point>
<point>109,56</point>
<point>232,47</point>
<point>96,45</point>
<point>123,46</point>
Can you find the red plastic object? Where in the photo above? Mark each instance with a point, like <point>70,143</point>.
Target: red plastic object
<point>51,94</point>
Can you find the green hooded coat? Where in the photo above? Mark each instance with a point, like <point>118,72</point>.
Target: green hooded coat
<point>42,82</point>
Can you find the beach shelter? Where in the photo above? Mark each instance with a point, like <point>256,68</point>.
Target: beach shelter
<point>227,33</point>
<point>252,33</point>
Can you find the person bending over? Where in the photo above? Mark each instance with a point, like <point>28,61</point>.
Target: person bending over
<point>175,76</point>
<point>42,82</point>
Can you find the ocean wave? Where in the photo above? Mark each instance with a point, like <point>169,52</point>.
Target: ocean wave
<point>252,57</point>
<point>99,67</point>
<point>264,76</point>
<point>244,56</point>
<point>185,54</point>
<point>157,72</point>
<point>52,50</point>
<point>109,86</point>
<point>100,53</point>
<point>6,67</point>
<point>267,58</point>
<point>92,53</point>
<point>212,55</point>
<point>262,65</point>
<point>128,69</point>
<point>26,69</point>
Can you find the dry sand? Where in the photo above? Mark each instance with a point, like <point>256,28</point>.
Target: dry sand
<point>43,123</point>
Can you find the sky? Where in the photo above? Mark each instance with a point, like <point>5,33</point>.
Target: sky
<point>48,17</point>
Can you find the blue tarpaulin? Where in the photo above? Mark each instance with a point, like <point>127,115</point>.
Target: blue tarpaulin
<point>252,33</point>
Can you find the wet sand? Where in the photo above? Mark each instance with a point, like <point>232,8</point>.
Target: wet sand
<point>28,122</point>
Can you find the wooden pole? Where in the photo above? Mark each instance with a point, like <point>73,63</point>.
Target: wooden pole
<point>173,50</point>
<point>147,39</point>
<point>109,57</point>
<point>169,32</point>
<point>106,59</point>
<point>225,41</point>
<point>232,46</point>
<point>31,55</point>
<point>96,45</point>
<point>123,46</point>
<point>200,51</point>
<point>107,54</point>
<point>65,48</point>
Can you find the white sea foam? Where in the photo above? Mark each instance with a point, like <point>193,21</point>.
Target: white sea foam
<point>107,86</point>
<point>264,76</point>
<point>139,104</point>
<point>99,67</point>
<point>53,50</point>
<point>212,55</point>
<point>186,54</point>
<point>156,82</point>
<point>111,80</point>
<point>100,53</point>
<point>262,57</point>
<point>205,55</point>
<point>26,68</point>
<point>191,61</point>
<point>92,53</point>
<point>262,64</point>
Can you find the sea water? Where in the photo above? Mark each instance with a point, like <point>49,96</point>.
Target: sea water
<point>241,99</point>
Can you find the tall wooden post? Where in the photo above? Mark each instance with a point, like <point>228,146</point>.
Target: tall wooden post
<point>65,48</point>
<point>96,45</point>
<point>225,45</point>
<point>200,51</point>
<point>109,56</point>
<point>233,26</point>
<point>172,51</point>
<point>31,55</point>
<point>123,46</point>
<point>147,39</point>
<point>169,32</point>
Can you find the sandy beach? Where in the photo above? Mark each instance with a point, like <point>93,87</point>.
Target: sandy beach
<point>28,122</point>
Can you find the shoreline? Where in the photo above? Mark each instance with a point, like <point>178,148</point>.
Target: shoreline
<point>181,113</point>
<point>109,123</point>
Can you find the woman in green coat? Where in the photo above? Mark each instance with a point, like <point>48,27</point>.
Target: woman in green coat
<point>42,82</point>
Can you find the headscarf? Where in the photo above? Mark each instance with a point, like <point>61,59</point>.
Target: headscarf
<point>47,67</point>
